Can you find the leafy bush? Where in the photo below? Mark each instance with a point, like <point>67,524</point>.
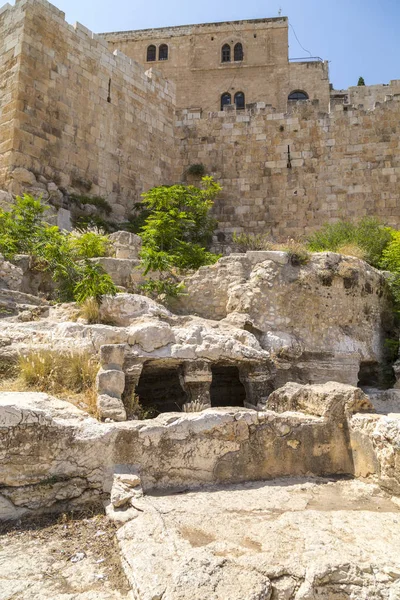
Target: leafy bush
<point>197,169</point>
<point>97,201</point>
<point>90,243</point>
<point>64,255</point>
<point>178,229</point>
<point>369,234</point>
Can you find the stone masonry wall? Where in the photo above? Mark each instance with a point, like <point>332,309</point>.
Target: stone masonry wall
<point>10,35</point>
<point>89,120</point>
<point>345,164</point>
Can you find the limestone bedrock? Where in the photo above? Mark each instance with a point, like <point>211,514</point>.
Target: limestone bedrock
<point>285,540</point>
<point>54,456</point>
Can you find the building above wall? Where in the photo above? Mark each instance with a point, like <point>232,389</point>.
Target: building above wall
<point>233,62</point>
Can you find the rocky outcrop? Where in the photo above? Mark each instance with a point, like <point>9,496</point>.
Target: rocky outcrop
<point>307,315</point>
<point>54,454</point>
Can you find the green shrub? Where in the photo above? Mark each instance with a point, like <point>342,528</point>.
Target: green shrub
<point>197,169</point>
<point>64,255</point>
<point>178,229</point>
<point>97,201</point>
<point>369,234</point>
<point>90,243</point>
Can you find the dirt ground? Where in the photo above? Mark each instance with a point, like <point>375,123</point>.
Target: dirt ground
<point>63,557</point>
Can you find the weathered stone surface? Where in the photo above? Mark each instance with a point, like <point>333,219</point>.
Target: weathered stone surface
<point>288,540</point>
<point>110,407</point>
<point>124,272</point>
<point>306,316</point>
<point>112,355</point>
<point>150,335</point>
<point>326,400</point>
<point>110,382</point>
<point>122,309</point>
<point>126,244</point>
<point>10,275</point>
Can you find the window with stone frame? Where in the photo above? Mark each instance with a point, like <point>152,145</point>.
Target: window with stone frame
<point>298,95</point>
<point>238,52</point>
<point>163,52</point>
<point>226,100</point>
<point>151,53</point>
<point>239,100</point>
<point>226,53</point>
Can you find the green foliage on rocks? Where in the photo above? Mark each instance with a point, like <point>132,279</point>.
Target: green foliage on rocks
<point>177,232</point>
<point>361,81</point>
<point>369,234</point>
<point>66,256</point>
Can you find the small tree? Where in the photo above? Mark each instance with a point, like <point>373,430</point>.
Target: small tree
<point>361,81</point>
<point>178,229</point>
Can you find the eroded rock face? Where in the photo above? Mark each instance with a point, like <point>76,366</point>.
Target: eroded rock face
<point>321,320</point>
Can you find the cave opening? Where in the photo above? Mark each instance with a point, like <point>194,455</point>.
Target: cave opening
<point>226,388</point>
<point>159,390</point>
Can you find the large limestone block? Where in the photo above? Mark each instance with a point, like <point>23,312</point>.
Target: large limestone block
<point>110,407</point>
<point>326,400</point>
<point>24,176</point>
<point>126,244</point>
<point>151,335</point>
<point>110,382</point>
<point>11,276</point>
<point>122,309</point>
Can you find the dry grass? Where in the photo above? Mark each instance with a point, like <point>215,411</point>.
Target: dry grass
<point>90,311</point>
<point>297,251</point>
<point>195,406</point>
<point>352,250</point>
<point>245,242</point>
<point>70,376</point>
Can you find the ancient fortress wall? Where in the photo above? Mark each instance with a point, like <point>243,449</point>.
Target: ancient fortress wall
<point>85,118</point>
<point>10,47</point>
<point>95,122</point>
<point>290,173</point>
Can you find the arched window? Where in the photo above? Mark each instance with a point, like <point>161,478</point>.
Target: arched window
<point>225,100</point>
<point>238,52</point>
<point>163,52</point>
<point>239,100</point>
<point>226,53</point>
<point>151,53</point>
<point>298,95</point>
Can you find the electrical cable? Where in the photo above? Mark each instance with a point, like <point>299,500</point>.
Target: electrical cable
<point>295,35</point>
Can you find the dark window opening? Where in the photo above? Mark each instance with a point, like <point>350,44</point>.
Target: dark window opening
<point>163,52</point>
<point>226,388</point>
<point>239,100</point>
<point>109,91</point>
<point>238,52</point>
<point>226,53</point>
<point>151,53</point>
<point>225,100</point>
<point>373,374</point>
<point>298,95</point>
<point>159,390</point>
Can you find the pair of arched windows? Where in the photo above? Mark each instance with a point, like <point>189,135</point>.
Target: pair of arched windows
<point>238,99</point>
<point>152,53</point>
<point>237,53</point>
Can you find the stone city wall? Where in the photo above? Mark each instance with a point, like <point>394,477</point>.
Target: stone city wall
<point>289,173</point>
<point>91,121</point>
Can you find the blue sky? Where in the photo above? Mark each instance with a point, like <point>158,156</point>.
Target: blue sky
<point>358,37</point>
